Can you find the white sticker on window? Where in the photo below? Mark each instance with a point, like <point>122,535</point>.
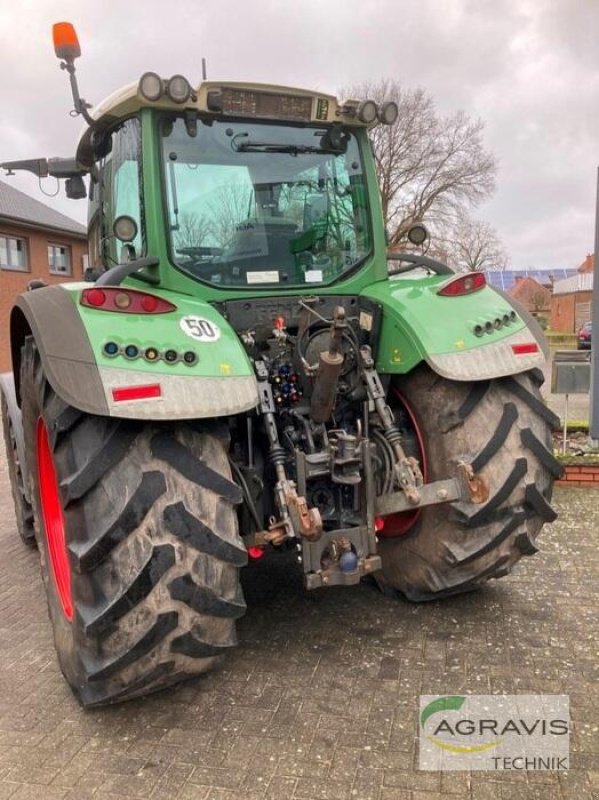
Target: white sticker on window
<point>266,276</point>
<point>203,330</point>
<point>313,276</point>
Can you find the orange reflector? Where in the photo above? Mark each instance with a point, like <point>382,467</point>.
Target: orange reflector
<point>143,392</point>
<point>255,552</point>
<point>525,349</point>
<point>66,43</point>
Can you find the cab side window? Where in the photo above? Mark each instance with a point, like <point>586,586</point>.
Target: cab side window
<point>118,192</point>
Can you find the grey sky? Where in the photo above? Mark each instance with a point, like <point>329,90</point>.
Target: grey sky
<point>529,68</point>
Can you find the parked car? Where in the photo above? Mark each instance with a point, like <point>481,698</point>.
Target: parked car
<point>583,337</point>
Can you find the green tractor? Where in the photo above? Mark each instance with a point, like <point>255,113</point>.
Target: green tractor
<point>246,370</point>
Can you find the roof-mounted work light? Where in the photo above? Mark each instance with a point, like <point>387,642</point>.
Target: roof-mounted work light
<point>367,111</point>
<point>178,89</point>
<point>151,86</point>
<point>388,112</point>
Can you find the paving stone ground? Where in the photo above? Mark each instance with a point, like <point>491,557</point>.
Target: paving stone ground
<point>320,700</point>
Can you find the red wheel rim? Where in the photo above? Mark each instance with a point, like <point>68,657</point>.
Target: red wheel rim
<point>402,523</point>
<point>53,521</point>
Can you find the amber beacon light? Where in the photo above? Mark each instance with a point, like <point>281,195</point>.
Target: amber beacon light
<point>66,43</point>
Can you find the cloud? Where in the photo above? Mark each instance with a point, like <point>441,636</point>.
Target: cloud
<point>527,67</point>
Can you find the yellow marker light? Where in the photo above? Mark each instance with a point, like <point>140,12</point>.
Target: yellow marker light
<point>151,354</point>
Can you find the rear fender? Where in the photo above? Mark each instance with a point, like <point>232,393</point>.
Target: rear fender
<point>70,339</point>
<point>421,325</point>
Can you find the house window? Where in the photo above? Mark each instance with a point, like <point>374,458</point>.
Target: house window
<point>59,259</point>
<point>13,253</point>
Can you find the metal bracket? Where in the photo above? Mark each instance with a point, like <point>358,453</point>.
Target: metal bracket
<point>465,486</point>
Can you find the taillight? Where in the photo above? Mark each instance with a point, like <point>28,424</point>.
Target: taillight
<point>463,284</point>
<point>125,301</point>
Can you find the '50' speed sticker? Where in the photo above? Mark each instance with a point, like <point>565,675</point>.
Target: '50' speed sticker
<point>203,330</point>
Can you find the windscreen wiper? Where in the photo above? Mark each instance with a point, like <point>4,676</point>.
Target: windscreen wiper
<point>248,146</point>
<point>291,149</point>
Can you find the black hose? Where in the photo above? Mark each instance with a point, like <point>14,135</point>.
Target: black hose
<point>246,493</point>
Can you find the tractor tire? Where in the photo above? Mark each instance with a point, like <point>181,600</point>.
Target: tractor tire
<point>139,547</point>
<point>501,428</point>
<point>23,510</point>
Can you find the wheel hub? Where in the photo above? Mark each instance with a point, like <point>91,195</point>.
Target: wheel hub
<point>52,516</point>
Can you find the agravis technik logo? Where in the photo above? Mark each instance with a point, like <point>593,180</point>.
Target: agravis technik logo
<point>494,732</point>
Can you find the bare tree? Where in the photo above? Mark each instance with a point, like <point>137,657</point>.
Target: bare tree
<point>229,209</point>
<point>471,245</point>
<point>430,167</point>
<point>192,232</point>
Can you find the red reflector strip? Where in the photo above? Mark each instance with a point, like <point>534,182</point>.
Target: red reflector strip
<point>136,392</point>
<point>524,349</point>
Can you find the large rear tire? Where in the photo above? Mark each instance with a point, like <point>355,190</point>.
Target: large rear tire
<point>503,429</point>
<point>138,539</point>
<point>23,510</point>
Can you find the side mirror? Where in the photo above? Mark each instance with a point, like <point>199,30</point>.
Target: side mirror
<point>75,188</point>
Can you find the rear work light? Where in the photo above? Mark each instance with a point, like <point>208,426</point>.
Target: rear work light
<point>464,284</point>
<point>125,301</point>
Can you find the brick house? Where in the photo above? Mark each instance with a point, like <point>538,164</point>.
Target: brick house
<point>35,242</point>
<point>572,299</point>
<point>533,295</point>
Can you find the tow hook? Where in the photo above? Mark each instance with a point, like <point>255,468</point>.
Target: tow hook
<point>303,522</point>
<point>306,521</point>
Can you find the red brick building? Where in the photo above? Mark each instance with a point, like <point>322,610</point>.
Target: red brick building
<point>533,295</point>
<point>35,242</point>
<point>571,302</point>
